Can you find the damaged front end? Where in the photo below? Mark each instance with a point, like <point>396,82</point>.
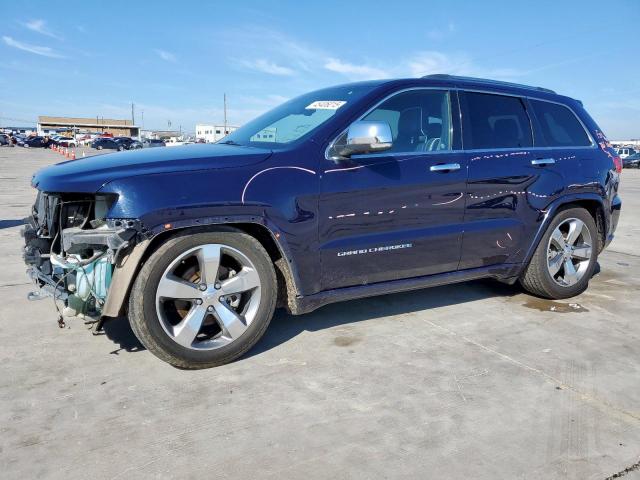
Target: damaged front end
<point>71,250</point>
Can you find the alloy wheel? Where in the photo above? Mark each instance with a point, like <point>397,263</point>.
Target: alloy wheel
<point>569,252</point>
<point>208,296</point>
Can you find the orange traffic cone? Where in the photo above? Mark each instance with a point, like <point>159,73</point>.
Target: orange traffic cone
<point>73,154</point>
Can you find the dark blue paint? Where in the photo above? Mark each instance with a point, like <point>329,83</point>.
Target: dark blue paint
<point>483,220</point>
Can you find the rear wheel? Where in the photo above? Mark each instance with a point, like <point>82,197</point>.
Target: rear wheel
<point>565,258</point>
<point>203,299</point>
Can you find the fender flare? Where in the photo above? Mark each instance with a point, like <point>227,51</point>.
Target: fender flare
<point>126,271</point>
<point>549,214</point>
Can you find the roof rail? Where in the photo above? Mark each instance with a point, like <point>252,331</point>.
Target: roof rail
<point>445,76</point>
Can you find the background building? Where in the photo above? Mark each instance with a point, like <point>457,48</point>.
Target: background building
<point>163,134</point>
<point>213,133</point>
<point>50,125</point>
<point>23,130</point>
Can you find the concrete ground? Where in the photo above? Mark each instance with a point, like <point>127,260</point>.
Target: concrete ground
<point>477,380</point>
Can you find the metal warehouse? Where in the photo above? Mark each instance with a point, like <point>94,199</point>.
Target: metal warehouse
<point>50,125</point>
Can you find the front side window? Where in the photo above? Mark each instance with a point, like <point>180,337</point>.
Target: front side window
<point>495,121</point>
<point>560,127</point>
<point>420,121</point>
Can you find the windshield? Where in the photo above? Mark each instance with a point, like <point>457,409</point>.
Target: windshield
<point>295,118</point>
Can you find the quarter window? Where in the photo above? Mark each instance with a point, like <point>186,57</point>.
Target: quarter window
<point>496,121</point>
<point>560,127</point>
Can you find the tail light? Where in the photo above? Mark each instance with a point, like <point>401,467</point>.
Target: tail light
<point>617,162</point>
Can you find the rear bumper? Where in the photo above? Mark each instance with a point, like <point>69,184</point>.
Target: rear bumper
<point>616,207</point>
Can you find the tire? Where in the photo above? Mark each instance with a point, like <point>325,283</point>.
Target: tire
<point>147,312</point>
<point>120,149</point>
<point>99,147</point>
<point>538,279</point>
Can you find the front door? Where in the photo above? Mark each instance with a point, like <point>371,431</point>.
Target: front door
<point>396,214</point>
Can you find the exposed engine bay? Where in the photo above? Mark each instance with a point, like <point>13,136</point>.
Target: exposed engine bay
<point>71,249</point>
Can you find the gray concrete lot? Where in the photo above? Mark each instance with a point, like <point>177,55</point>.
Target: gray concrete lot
<point>477,380</point>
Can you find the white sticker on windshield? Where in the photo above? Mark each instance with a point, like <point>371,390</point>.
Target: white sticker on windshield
<point>326,105</point>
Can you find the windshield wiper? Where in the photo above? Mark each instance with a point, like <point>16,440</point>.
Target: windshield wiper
<point>230,142</point>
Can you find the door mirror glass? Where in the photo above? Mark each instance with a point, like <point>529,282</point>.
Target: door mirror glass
<point>366,137</point>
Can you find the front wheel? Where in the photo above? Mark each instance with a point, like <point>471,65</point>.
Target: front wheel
<point>203,299</point>
<point>565,258</point>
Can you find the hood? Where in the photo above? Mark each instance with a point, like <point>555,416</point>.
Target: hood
<point>88,175</point>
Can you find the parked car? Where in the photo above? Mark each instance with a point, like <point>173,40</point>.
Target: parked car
<point>632,161</point>
<point>135,145</point>
<point>20,139</point>
<point>5,139</point>
<point>152,142</point>
<point>624,152</point>
<point>127,142</point>
<point>107,143</point>
<point>66,142</point>
<point>347,192</point>
<point>38,142</point>
<point>173,142</point>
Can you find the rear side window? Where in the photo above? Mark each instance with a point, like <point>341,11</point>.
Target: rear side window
<point>496,121</point>
<point>560,127</point>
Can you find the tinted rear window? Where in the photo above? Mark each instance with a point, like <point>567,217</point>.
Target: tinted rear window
<point>560,127</point>
<point>496,121</point>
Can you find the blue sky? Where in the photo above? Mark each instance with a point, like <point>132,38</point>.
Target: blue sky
<point>174,60</point>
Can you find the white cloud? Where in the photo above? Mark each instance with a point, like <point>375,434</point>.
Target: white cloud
<point>39,26</point>
<point>428,62</point>
<point>35,49</point>
<point>354,71</point>
<point>266,66</point>
<point>438,34</point>
<point>166,56</point>
<point>282,51</point>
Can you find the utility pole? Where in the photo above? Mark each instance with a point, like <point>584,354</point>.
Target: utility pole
<point>225,115</point>
<point>133,115</point>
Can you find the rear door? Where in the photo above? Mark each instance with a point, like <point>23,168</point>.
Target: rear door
<point>399,213</point>
<point>509,180</point>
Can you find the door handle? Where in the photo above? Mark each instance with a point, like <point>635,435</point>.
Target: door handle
<point>543,161</point>
<point>445,167</point>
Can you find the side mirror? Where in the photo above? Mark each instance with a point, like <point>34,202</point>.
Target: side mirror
<point>367,137</point>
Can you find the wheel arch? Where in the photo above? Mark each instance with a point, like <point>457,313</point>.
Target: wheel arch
<point>285,271</point>
<point>592,203</point>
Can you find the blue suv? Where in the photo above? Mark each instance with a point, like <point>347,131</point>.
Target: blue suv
<point>347,192</point>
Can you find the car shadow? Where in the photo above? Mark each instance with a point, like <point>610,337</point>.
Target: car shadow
<point>118,330</point>
<point>284,326</point>
<point>10,223</point>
